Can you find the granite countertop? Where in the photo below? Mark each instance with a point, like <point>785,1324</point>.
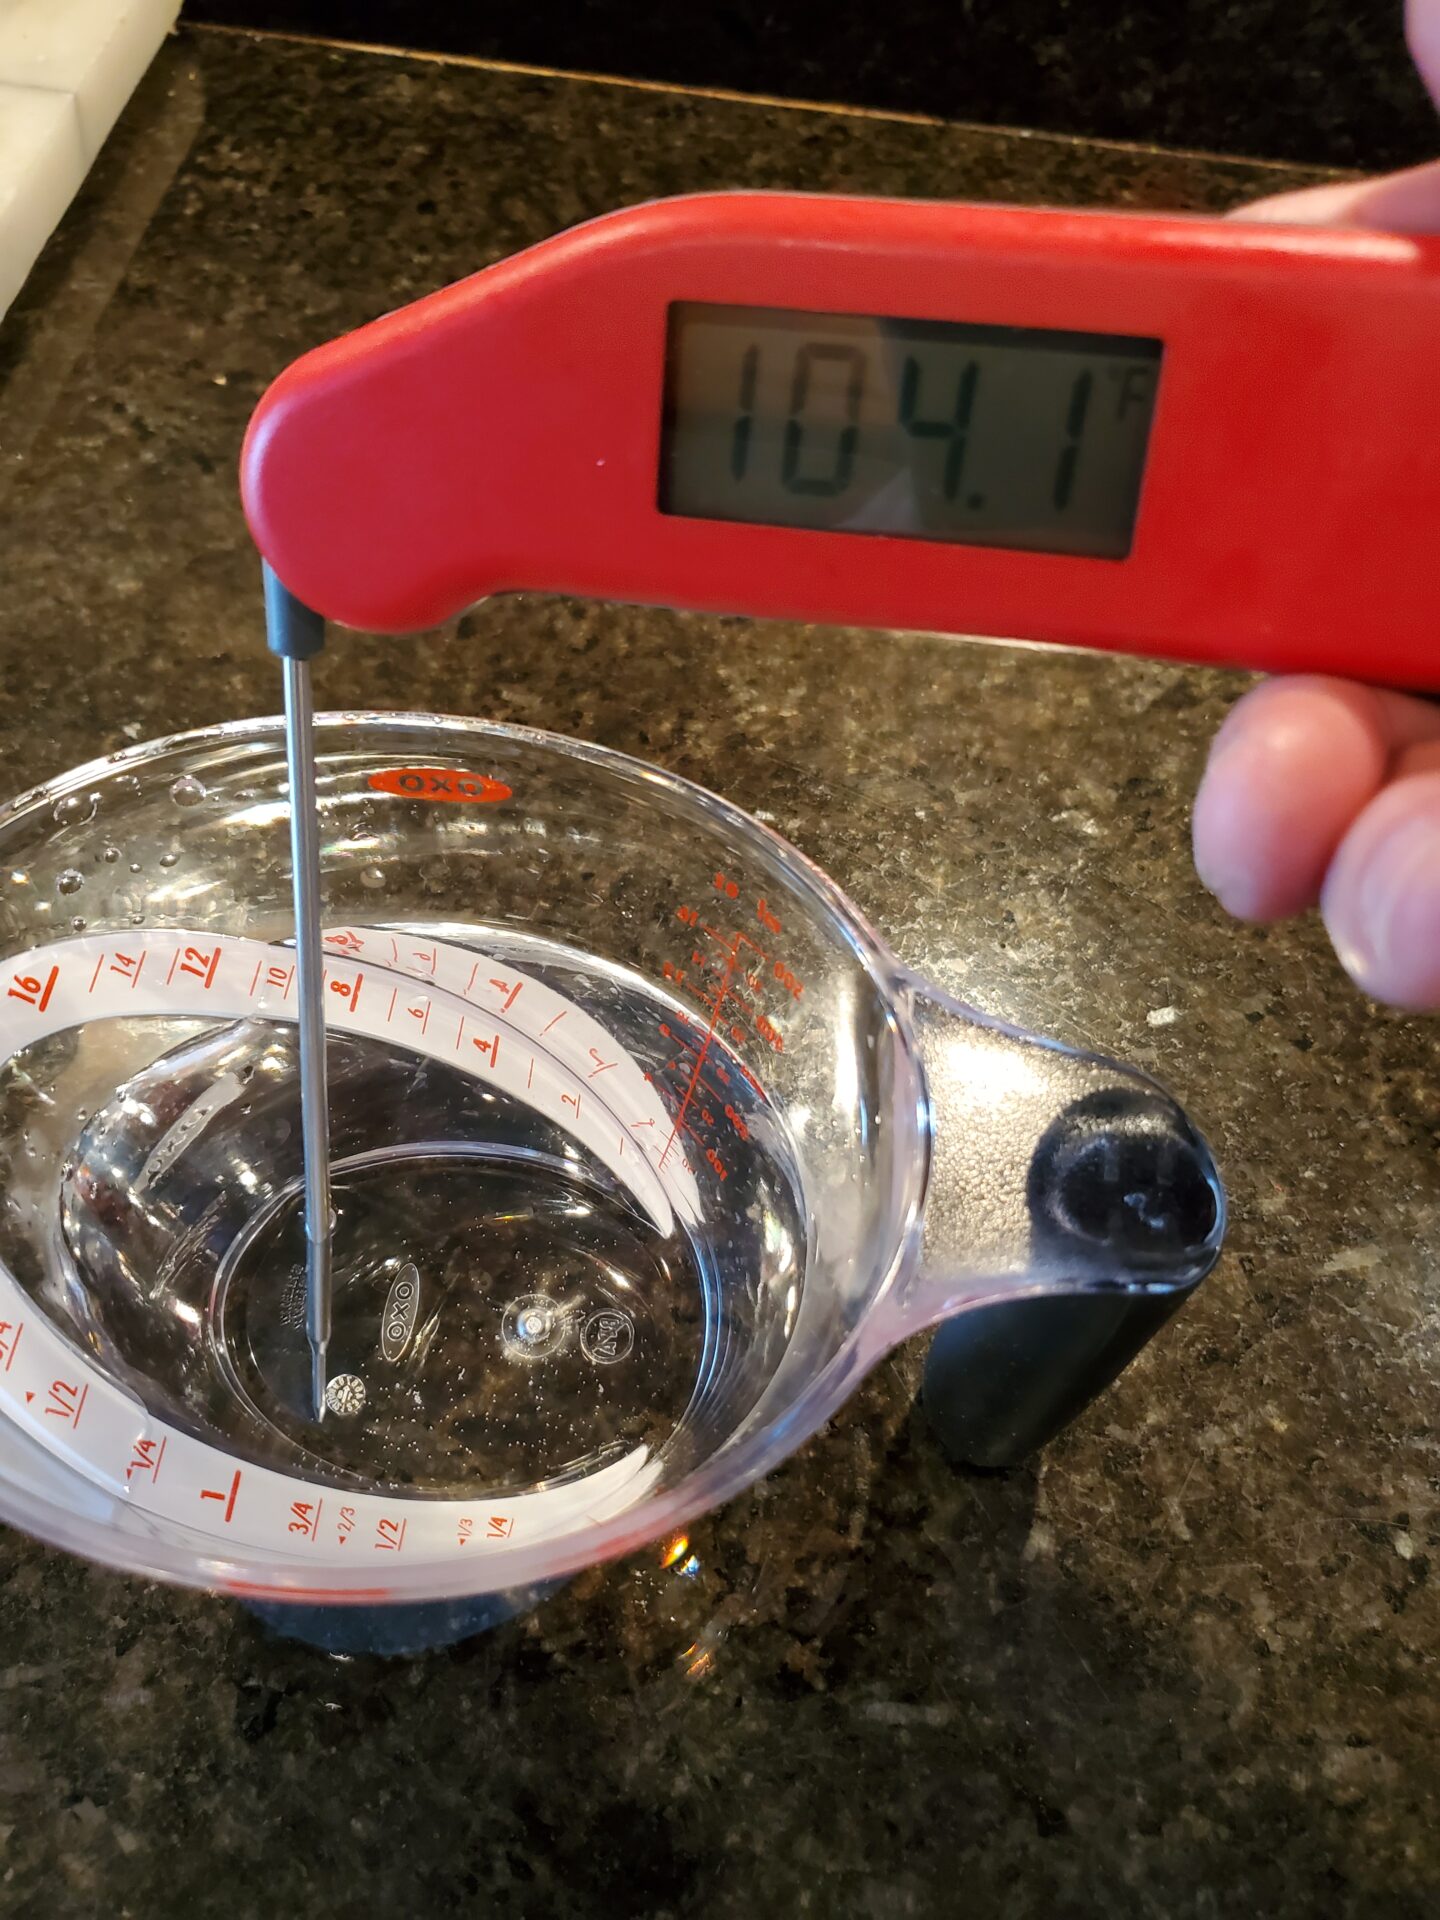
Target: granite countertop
<point>1181,1665</point>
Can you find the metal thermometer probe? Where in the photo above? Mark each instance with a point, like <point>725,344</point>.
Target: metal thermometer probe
<point>297,633</point>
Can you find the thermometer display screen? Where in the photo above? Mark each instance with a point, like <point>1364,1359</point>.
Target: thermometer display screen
<point>989,436</point>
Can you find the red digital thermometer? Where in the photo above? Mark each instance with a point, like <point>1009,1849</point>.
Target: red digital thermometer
<point>1160,435</point>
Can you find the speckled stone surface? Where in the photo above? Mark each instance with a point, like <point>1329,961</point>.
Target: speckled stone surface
<point>1329,82</point>
<point>1182,1665</point>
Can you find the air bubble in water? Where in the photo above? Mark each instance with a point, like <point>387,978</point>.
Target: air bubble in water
<point>110,856</point>
<point>77,925</point>
<point>69,881</point>
<point>187,791</point>
<point>134,866</point>
<point>168,859</point>
<point>75,809</point>
<point>372,876</point>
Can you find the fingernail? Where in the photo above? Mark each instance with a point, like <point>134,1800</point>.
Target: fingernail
<point>1386,929</point>
<point>1224,858</point>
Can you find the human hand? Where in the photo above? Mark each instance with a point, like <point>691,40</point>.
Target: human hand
<point>1322,792</point>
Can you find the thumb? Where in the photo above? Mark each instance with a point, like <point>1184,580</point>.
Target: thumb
<point>1406,202</point>
<point>1422,33</point>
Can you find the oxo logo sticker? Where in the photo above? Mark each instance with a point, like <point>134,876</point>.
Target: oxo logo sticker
<point>437,783</point>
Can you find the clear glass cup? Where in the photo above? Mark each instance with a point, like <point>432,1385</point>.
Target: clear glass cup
<point>645,1149</point>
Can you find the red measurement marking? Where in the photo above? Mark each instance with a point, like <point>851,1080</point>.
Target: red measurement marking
<point>281,977</point>
<point>32,990</point>
<point>96,974</point>
<point>703,1054</point>
<point>390,1012</point>
<point>345,1526</point>
<point>555,1022</point>
<point>10,1332</point>
<point>464,1531</point>
<point>420,1010</point>
<point>688,916</point>
<point>601,1066</point>
<point>460,1032</point>
<point>348,941</point>
<point>305,1517</point>
<point>437,783</point>
<point>195,961</point>
<point>471,981</point>
<point>490,1046</point>
<point>571,1100</point>
<point>729,888</point>
<point>145,1458</point>
<point>503,986</point>
<point>255,978</point>
<point>501,1526</point>
<point>770,921</point>
<point>714,1092</point>
<point>708,1152</point>
<point>348,990</point>
<point>769,1032</point>
<point>530,1076</point>
<point>678,1060</point>
<point>425,961</point>
<point>390,1535</point>
<point>212,1493</point>
<point>66,1401</point>
<point>635,1125</point>
<point>787,980</point>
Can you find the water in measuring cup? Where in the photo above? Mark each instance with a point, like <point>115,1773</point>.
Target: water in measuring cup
<point>505,1314</point>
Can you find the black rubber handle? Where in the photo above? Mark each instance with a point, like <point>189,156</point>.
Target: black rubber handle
<point>1121,1185</point>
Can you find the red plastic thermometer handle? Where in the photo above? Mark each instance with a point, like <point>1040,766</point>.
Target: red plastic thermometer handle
<point>506,433</point>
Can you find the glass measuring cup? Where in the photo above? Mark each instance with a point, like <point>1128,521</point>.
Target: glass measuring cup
<point>645,1148</point>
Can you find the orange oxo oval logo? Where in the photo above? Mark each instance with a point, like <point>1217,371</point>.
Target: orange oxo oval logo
<point>437,783</point>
